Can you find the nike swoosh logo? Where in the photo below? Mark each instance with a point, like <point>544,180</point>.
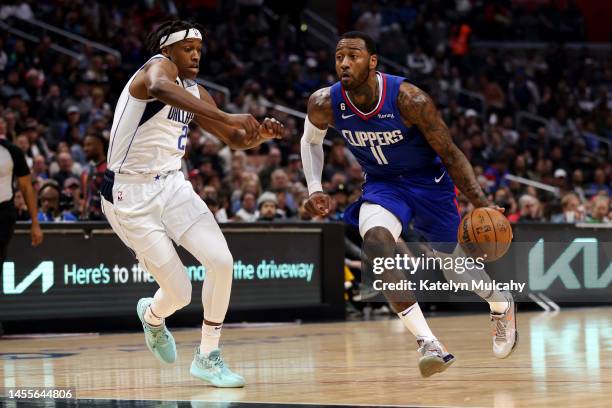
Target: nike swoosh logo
<point>347,116</point>
<point>437,179</point>
<point>408,311</point>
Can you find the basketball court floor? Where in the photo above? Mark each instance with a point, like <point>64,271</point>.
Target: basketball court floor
<point>561,360</point>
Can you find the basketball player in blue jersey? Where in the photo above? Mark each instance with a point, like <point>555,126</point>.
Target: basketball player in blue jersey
<point>410,162</point>
<point>149,204</point>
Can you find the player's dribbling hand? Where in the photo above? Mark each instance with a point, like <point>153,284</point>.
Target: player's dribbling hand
<point>271,129</point>
<point>498,208</point>
<point>244,121</point>
<point>318,204</point>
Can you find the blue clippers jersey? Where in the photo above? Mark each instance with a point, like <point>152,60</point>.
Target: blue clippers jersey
<point>380,141</point>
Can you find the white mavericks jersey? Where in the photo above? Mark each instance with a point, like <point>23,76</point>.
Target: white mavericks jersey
<point>148,136</point>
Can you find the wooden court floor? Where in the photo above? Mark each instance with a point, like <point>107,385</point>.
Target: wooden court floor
<point>562,360</point>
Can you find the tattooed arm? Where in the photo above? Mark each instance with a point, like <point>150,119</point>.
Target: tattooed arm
<point>418,109</point>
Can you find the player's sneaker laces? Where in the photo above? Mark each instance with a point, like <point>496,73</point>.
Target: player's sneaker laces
<point>434,357</point>
<point>212,369</point>
<point>504,331</point>
<point>158,338</point>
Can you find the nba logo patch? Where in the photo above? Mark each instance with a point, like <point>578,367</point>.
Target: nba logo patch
<point>119,195</point>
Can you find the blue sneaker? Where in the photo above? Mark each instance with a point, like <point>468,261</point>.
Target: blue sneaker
<point>158,339</point>
<point>212,369</point>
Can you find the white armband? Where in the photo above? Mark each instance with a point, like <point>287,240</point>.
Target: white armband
<point>313,134</point>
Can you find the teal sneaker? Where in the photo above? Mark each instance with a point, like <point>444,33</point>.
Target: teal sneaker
<point>158,339</point>
<point>212,369</point>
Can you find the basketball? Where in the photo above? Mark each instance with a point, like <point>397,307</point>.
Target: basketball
<point>485,232</point>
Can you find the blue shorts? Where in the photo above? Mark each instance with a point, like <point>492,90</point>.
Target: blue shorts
<point>431,206</point>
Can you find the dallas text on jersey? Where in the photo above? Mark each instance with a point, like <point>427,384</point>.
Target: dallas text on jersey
<point>179,115</point>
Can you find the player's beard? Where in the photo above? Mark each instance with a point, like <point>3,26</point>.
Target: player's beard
<point>365,80</point>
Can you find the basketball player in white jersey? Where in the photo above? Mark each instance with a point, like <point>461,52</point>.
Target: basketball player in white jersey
<point>149,204</point>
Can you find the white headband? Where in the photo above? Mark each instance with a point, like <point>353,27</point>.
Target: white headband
<point>179,36</point>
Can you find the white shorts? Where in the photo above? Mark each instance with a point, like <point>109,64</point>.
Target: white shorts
<point>147,211</point>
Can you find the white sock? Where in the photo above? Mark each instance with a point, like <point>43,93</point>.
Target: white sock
<point>498,302</point>
<point>499,307</point>
<point>210,338</point>
<point>152,319</point>
<point>414,321</point>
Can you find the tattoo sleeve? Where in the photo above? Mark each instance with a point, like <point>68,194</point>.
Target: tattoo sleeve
<point>418,109</point>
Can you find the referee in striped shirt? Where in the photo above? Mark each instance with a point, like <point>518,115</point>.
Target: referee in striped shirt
<point>13,165</point>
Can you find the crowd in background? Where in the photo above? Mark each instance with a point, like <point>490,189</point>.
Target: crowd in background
<point>59,110</point>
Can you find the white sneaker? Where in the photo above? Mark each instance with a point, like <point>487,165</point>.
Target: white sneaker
<point>434,357</point>
<point>504,331</point>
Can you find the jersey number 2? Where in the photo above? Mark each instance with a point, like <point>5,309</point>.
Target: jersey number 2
<point>182,140</point>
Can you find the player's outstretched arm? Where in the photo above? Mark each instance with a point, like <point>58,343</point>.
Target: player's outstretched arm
<point>238,138</point>
<point>418,109</point>
<point>158,82</point>
<point>317,121</point>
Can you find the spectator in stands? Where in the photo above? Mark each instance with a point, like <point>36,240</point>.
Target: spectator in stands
<point>50,110</point>
<point>279,181</point>
<point>100,108</point>
<point>561,180</point>
<point>210,194</point>
<point>74,128</point>
<point>420,63</point>
<point>294,169</point>
<point>530,209</point>
<point>38,145</point>
<point>600,208</point>
<point>578,185</point>
<point>599,184</point>
<point>80,99</point>
<point>248,208</point>
<point>66,168</point>
<point>23,214</point>
<point>95,147</point>
<point>10,121</point>
<point>524,94</point>
<point>572,210</point>
<point>493,93</point>
<point>40,168</point>
<point>273,162</point>
<point>267,205</point>
<point>370,21</point>
<point>561,124</point>
<point>340,195</point>
<point>71,197</point>
<point>23,143</point>
<point>49,204</point>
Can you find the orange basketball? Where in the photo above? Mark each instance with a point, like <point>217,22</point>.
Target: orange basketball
<point>486,233</point>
